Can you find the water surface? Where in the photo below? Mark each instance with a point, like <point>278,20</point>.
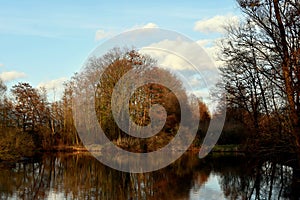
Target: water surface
<point>80,176</point>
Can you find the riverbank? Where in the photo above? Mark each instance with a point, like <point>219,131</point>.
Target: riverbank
<point>15,156</point>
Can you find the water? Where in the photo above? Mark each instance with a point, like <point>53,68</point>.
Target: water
<point>80,176</point>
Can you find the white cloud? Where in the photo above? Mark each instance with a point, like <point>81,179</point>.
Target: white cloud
<point>53,84</point>
<point>54,87</point>
<point>150,25</point>
<point>178,54</point>
<point>205,42</point>
<point>1,65</point>
<point>141,26</point>
<point>212,49</point>
<point>11,75</point>
<point>101,34</point>
<point>190,62</point>
<point>215,24</point>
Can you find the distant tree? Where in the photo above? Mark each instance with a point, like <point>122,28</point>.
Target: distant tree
<point>32,112</point>
<point>65,116</point>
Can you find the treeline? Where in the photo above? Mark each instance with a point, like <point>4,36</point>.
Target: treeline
<point>261,76</point>
<point>100,77</point>
<point>29,121</point>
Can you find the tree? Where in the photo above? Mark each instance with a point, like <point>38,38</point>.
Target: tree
<point>204,119</point>
<point>246,86</point>
<point>31,112</point>
<point>69,133</point>
<point>142,99</point>
<point>278,25</point>
<point>111,68</point>
<point>261,70</point>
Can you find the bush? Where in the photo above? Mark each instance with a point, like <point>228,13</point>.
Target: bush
<point>14,144</point>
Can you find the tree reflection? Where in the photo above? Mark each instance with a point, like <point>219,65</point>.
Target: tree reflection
<point>259,179</point>
<point>80,176</point>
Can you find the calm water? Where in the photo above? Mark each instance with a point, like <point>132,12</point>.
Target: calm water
<point>80,176</point>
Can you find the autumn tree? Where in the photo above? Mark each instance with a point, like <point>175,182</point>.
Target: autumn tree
<point>65,116</point>
<point>113,72</point>
<point>32,112</point>
<point>204,118</point>
<point>145,96</point>
<point>115,64</point>
<point>154,93</point>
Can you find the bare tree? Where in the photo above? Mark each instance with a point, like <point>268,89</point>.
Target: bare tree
<point>278,25</point>
<point>261,70</point>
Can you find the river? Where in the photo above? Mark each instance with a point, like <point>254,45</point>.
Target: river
<point>80,176</point>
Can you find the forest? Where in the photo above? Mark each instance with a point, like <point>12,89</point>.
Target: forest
<point>260,74</point>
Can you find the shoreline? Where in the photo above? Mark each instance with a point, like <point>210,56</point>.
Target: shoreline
<point>82,149</point>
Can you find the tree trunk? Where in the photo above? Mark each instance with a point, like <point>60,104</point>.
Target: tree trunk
<point>288,79</point>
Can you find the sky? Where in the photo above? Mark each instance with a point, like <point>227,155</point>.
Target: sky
<point>45,42</point>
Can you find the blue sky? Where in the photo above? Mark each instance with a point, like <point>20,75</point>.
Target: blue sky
<point>45,42</point>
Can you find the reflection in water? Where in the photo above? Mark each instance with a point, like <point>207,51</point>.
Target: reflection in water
<point>80,176</point>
